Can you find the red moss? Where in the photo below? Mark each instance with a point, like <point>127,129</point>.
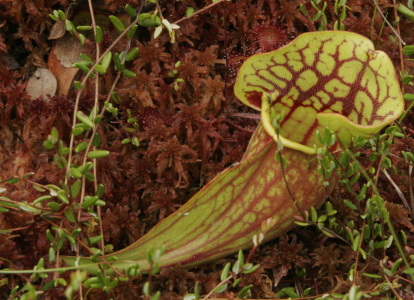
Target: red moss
<point>152,56</point>
<point>285,256</point>
<point>174,156</point>
<point>162,203</point>
<point>119,222</point>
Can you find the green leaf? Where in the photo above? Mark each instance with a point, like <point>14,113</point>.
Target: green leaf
<point>84,68</point>
<point>251,269</point>
<point>100,191</point>
<point>355,244</point>
<point>84,119</point>
<point>98,37</point>
<point>132,31</point>
<point>129,73</point>
<point>96,140</point>
<point>328,234</point>
<point>408,50</point>
<point>404,237</point>
<point>135,141</point>
<point>50,236</point>
<point>53,17</point>
<point>302,223</point>
<point>76,232</point>
<point>306,292</point>
<point>75,173</point>
<point>338,296</point>
<point>48,145</point>
<point>343,16</point>
<point>70,215</point>
<point>389,242</point>
<point>146,289</point>
<point>150,22</point>
<point>396,265</point>
<point>86,59</point>
<point>317,16</point>
<point>220,289</point>
<point>314,215</point>
<point>236,267</point>
<point>322,219</point>
<point>13,180</point>
<point>362,252</point>
<point>355,178</point>
<point>106,61</point>
<point>50,284</point>
<point>42,198</point>
<point>89,177</point>
<point>225,272</point>
<point>100,69</point>
<point>98,154</point>
<point>156,296</point>
<point>189,11</point>
<point>78,85</point>
<point>130,11</point>
<point>409,271</point>
<point>407,79</point>
<point>82,38</point>
<point>84,28</point>
<point>54,133</point>
<point>244,290</point>
<point>117,62</point>
<point>408,97</point>
<point>78,131</point>
<point>100,203</point>
<point>240,257</point>
<point>290,292</point>
<point>90,281</point>
<point>69,26</point>
<point>167,25</point>
<point>81,147</point>
<point>62,197</point>
<point>371,275</point>
<point>61,14</point>
<point>98,119</point>
<point>350,205</point>
<point>29,208</point>
<point>197,290</point>
<point>75,189</point>
<point>303,10</point>
<point>132,54</point>
<point>236,282</point>
<point>344,158</point>
<point>117,23</point>
<point>93,240</point>
<point>89,201</point>
<point>7,204</point>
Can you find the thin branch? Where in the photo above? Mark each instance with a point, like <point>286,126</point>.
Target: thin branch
<point>200,11</point>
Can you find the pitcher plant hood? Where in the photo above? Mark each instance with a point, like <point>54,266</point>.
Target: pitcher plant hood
<point>333,79</point>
